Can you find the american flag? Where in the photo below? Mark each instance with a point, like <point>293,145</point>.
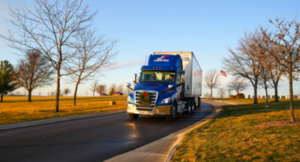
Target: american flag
<point>222,73</point>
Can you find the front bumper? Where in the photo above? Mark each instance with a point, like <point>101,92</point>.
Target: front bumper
<point>157,110</point>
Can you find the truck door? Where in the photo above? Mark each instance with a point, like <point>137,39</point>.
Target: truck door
<point>179,89</point>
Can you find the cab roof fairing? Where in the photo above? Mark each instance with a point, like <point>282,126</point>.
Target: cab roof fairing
<point>167,62</point>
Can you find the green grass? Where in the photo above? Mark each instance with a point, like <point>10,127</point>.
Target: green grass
<point>233,135</point>
<point>17,109</point>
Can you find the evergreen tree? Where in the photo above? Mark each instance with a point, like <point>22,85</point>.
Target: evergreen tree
<point>7,78</point>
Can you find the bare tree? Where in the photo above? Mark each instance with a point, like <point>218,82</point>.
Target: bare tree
<point>276,72</point>
<point>237,85</point>
<point>112,89</point>
<point>51,26</point>
<point>287,41</point>
<point>67,91</point>
<point>34,71</point>
<point>264,77</point>
<point>101,89</point>
<point>120,88</point>
<point>206,95</point>
<point>221,92</point>
<point>211,79</point>
<point>95,53</point>
<point>93,87</point>
<point>229,91</point>
<point>244,63</point>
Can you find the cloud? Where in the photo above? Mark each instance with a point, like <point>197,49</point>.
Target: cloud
<point>127,64</point>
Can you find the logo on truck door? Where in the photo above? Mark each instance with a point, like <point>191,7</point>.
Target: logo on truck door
<point>162,59</point>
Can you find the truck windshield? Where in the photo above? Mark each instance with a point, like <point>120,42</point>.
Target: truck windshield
<point>158,76</point>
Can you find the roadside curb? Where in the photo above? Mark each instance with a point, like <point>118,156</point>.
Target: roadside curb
<point>161,149</point>
<point>58,119</point>
<point>180,134</point>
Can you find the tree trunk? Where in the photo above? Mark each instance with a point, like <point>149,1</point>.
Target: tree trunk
<point>211,95</point>
<point>2,96</point>
<point>29,95</point>
<point>57,90</point>
<point>75,93</point>
<point>255,93</point>
<point>266,89</point>
<point>292,118</point>
<point>237,92</point>
<point>276,92</point>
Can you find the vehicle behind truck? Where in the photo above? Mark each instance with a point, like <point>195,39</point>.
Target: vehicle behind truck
<point>169,84</point>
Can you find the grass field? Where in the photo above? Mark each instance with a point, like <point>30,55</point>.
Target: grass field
<point>248,100</point>
<point>17,109</point>
<point>234,135</point>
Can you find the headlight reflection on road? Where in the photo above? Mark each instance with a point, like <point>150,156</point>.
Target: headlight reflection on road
<point>134,132</point>
<point>132,125</point>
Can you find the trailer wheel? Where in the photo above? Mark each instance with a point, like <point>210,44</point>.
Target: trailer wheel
<point>190,106</point>
<point>199,102</point>
<point>193,105</point>
<point>133,116</point>
<point>172,117</point>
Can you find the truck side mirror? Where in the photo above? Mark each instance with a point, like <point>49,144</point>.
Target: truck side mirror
<point>182,77</point>
<point>135,76</point>
<point>128,86</point>
<point>170,86</point>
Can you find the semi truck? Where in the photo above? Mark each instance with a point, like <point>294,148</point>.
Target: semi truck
<point>170,84</point>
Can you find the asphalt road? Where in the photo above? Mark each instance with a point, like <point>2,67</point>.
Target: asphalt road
<point>89,139</point>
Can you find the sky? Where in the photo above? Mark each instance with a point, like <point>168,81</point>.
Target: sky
<point>207,28</point>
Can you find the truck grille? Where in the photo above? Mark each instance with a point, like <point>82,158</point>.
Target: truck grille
<point>143,109</point>
<point>153,98</point>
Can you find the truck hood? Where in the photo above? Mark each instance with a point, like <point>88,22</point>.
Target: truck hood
<point>159,87</point>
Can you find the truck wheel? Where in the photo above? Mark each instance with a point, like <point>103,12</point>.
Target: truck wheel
<point>190,111</point>
<point>173,114</point>
<point>199,102</point>
<point>133,116</point>
<point>193,106</point>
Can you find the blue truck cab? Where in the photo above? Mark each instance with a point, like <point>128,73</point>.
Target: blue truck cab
<point>160,89</point>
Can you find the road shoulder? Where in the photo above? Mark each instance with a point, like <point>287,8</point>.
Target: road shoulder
<point>58,119</point>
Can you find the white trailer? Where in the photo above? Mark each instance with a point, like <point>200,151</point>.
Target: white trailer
<point>192,74</point>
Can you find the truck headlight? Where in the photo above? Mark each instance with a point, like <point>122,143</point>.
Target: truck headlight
<point>129,99</point>
<point>166,100</point>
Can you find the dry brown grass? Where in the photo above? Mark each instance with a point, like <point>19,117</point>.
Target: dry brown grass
<point>234,135</point>
<point>247,100</point>
<point>17,109</point>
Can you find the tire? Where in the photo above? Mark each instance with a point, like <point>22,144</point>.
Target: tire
<point>190,111</point>
<point>133,116</point>
<point>199,102</point>
<point>193,105</point>
<point>172,117</point>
